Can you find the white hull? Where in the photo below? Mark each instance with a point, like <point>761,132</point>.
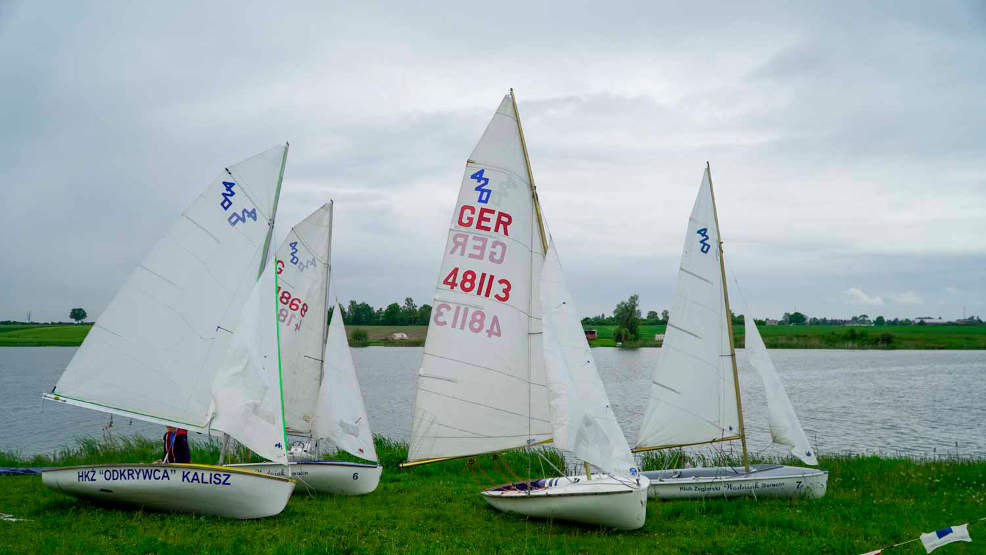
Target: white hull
<point>335,477</point>
<point>724,481</point>
<point>604,500</point>
<point>185,488</point>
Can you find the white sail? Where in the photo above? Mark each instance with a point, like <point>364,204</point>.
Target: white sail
<point>153,352</point>
<point>785,428</point>
<point>246,392</point>
<point>302,263</point>
<point>583,422</point>
<point>340,416</point>
<point>693,397</point>
<point>481,385</point>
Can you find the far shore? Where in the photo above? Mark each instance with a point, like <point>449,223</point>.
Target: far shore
<point>919,337</point>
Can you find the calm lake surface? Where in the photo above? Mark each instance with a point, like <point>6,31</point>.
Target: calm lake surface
<point>920,403</point>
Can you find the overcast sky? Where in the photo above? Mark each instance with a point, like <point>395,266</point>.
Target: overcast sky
<point>847,140</point>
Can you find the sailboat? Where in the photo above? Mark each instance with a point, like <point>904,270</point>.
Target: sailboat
<point>322,399</point>
<point>190,340</point>
<point>695,395</point>
<point>506,364</point>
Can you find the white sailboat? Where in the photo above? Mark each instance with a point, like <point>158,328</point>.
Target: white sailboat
<point>322,398</point>
<point>695,396</point>
<point>190,341</point>
<point>489,380</point>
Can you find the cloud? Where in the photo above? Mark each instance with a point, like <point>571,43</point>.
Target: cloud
<point>847,150</point>
<point>907,297</point>
<point>860,297</point>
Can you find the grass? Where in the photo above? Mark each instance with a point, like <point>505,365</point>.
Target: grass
<point>775,337</point>
<point>871,503</point>
<point>64,335</point>
<point>833,337</point>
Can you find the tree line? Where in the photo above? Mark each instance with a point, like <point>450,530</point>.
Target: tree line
<point>407,314</point>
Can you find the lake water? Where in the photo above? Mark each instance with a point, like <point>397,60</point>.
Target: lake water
<point>921,403</point>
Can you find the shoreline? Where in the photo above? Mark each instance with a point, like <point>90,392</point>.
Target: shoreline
<point>914,337</point>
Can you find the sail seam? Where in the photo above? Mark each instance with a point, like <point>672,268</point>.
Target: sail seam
<point>476,366</point>
<point>482,405</point>
<point>683,330</point>
<point>693,274</point>
<point>198,225</point>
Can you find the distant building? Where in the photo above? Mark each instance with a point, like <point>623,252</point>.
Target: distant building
<point>770,322</point>
<point>398,336</point>
<point>929,320</point>
<point>658,337</point>
<point>590,334</point>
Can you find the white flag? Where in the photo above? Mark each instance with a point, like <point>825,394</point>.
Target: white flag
<point>938,538</point>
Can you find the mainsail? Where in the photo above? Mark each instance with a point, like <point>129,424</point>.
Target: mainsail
<point>693,391</point>
<point>339,413</point>
<point>785,428</point>
<point>481,385</point>
<point>155,350</point>
<point>302,263</point>
<point>582,420</point>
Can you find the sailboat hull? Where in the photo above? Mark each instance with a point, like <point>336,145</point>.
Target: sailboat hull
<point>332,477</point>
<point>184,488</point>
<point>604,501</point>
<point>725,481</point>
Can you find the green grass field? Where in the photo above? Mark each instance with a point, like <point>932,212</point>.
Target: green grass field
<point>871,503</point>
<point>64,335</point>
<point>836,337</point>
<point>775,337</point>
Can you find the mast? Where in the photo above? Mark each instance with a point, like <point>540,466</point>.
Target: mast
<point>273,213</point>
<point>530,175</point>
<point>328,281</point>
<point>729,326</point>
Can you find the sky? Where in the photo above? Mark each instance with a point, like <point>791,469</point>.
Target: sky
<point>847,140</point>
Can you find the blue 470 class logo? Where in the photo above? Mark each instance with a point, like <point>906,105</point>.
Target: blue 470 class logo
<point>704,241</point>
<point>482,188</point>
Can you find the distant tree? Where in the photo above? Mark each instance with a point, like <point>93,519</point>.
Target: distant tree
<point>652,315</point>
<point>77,314</point>
<point>627,316</point>
<point>879,321</point>
<point>424,314</point>
<point>737,319</point>
<point>665,315</point>
<point>797,318</point>
<point>409,312</point>
<point>391,315</point>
